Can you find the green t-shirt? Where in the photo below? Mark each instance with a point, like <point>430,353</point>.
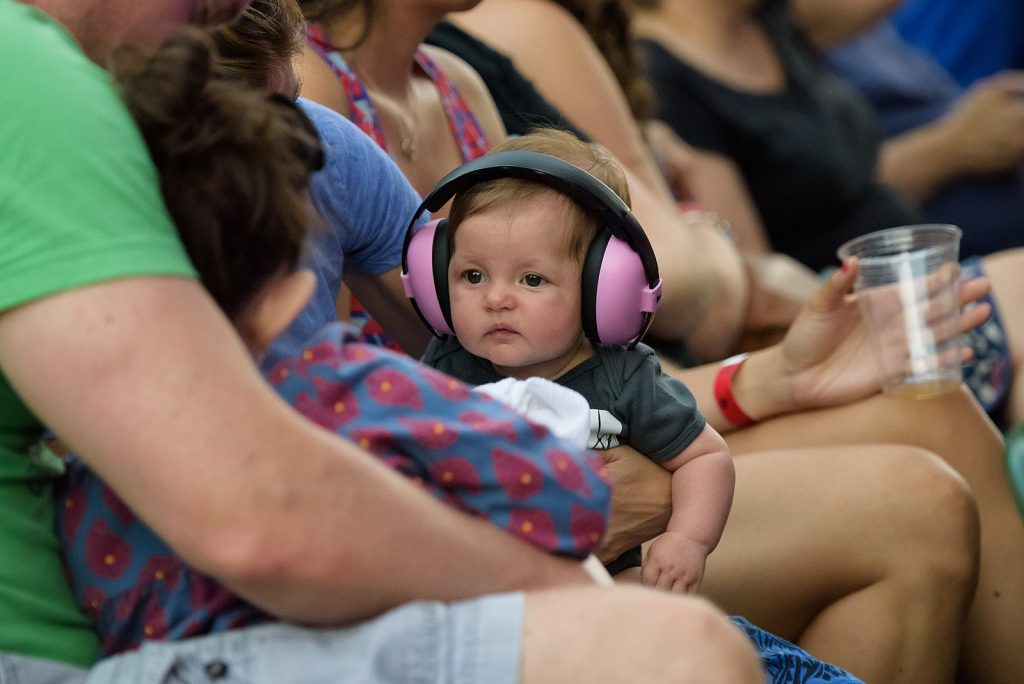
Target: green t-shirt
<point>79,203</point>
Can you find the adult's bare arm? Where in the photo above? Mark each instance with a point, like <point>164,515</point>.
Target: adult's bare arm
<point>705,293</point>
<point>718,183</point>
<point>982,133</point>
<point>825,359</point>
<point>553,50</point>
<point>384,298</point>
<point>148,382</point>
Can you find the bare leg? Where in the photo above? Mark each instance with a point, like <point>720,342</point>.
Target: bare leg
<point>955,428</point>
<point>1006,270</point>
<point>631,634</point>
<point>865,556</point>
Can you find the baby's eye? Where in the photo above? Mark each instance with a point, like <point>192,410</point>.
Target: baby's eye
<point>472,276</point>
<point>533,280</point>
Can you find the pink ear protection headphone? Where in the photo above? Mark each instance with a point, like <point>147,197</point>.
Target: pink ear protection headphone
<point>621,285</point>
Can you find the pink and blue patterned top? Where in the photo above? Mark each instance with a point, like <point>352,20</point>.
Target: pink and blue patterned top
<point>468,134</point>
<point>465,128</point>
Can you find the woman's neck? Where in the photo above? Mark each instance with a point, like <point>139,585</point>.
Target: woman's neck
<point>713,24</point>
<point>384,58</point>
<point>721,38</point>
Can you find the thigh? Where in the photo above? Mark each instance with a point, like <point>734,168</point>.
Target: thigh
<point>954,426</point>
<point>419,643</point>
<point>811,526</point>
<point>632,634</point>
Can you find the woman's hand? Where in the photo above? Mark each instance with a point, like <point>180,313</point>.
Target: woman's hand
<point>826,357</point>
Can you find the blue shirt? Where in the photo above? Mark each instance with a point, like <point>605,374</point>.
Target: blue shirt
<point>907,86</point>
<point>366,205</point>
<point>971,38</point>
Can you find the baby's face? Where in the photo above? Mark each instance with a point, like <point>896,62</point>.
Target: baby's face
<point>515,290</point>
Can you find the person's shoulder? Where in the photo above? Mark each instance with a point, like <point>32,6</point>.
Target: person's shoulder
<point>320,83</point>
<point>531,24</point>
<point>351,154</point>
<point>332,127</point>
<point>635,356</point>
<point>540,15</point>
<point>322,115</point>
<point>471,88</point>
<point>465,77</point>
<point>29,34</point>
<point>639,361</point>
<point>45,66</point>
<point>537,9</point>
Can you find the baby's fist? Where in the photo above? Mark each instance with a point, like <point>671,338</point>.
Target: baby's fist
<point>674,562</point>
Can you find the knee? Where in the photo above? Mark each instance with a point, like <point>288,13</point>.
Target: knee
<point>660,637</point>
<point>937,520</point>
<point>722,653</point>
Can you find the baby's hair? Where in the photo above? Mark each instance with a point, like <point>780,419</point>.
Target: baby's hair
<point>262,40</point>
<point>505,193</point>
<point>234,165</point>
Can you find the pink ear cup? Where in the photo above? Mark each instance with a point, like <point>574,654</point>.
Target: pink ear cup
<point>623,296</point>
<point>418,280</point>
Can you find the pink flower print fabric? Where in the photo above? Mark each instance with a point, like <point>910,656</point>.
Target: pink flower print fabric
<point>464,447</point>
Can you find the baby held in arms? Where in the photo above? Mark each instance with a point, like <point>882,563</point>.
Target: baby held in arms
<point>541,271</point>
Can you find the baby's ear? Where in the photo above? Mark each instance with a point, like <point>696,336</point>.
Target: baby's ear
<point>275,307</point>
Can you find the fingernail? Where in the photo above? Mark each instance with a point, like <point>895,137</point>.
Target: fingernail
<point>844,266</point>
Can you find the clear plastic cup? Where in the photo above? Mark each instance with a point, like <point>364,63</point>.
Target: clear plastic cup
<point>908,295</point>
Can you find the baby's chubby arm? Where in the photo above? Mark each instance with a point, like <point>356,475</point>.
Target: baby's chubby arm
<point>703,479</point>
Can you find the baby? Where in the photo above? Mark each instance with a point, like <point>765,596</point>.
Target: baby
<point>514,285</point>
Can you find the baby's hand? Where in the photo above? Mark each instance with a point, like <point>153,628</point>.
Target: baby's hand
<point>674,562</point>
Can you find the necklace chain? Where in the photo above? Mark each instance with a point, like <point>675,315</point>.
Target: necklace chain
<point>407,141</point>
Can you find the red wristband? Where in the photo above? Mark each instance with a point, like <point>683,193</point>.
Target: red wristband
<point>723,392</point>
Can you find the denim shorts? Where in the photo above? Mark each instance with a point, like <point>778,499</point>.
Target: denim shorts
<point>468,642</point>
<point>16,669</point>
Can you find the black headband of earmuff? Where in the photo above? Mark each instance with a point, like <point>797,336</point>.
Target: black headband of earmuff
<point>570,180</point>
